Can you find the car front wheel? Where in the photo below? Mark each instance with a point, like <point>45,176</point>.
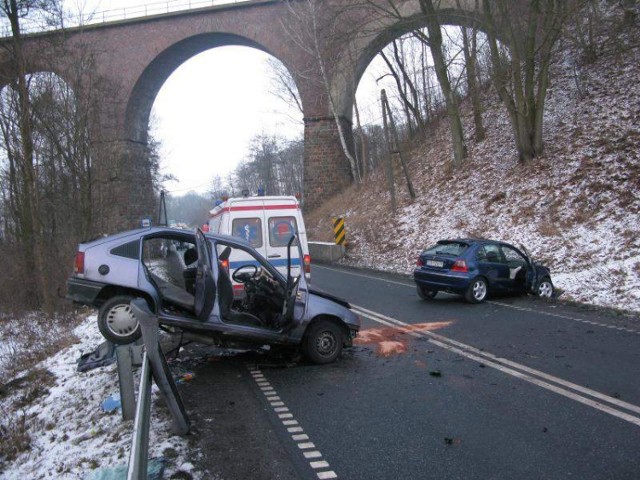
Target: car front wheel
<point>545,288</point>
<point>117,322</point>
<point>477,291</point>
<point>425,293</point>
<point>323,342</point>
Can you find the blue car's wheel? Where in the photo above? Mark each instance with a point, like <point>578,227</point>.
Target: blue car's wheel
<point>545,288</point>
<point>425,293</point>
<point>477,291</point>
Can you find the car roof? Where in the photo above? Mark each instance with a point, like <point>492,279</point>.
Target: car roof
<point>476,241</point>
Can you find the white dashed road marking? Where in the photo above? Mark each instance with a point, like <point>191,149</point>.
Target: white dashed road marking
<point>308,448</point>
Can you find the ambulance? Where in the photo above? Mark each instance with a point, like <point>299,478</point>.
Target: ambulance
<point>267,224</point>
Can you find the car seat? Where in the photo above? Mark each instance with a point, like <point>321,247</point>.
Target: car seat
<point>189,273</point>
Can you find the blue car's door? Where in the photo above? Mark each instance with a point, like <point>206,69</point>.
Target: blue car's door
<point>492,265</point>
<point>519,269</point>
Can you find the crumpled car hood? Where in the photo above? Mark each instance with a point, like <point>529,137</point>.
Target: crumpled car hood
<point>328,296</point>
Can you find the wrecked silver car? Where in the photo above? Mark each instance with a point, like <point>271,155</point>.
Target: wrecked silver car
<point>184,278</point>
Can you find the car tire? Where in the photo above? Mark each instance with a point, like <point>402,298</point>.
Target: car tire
<point>477,291</point>
<point>425,293</point>
<point>545,288</point>
<point>116,321</point>
<point>323,342</point>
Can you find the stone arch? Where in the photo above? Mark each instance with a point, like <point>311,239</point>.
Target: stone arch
<point>146,88</point>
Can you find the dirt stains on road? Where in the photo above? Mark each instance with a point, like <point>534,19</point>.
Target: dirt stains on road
<point>393,340</point>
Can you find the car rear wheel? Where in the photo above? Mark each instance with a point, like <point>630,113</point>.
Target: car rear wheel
<point>425,293</point>
<point>116,321</point>
<point>477,291</point>
<point>545,288</point>
<point>323,342</point>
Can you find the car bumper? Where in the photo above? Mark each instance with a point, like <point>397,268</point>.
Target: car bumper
<point>83,291</point>
<point>446,281</point>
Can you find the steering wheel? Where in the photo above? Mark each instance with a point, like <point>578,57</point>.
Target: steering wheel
<point>242,277</point>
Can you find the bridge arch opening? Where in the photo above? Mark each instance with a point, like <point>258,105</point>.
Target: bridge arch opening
<point>408,20</point>
<point>399,60</point>
<point>208,99</point>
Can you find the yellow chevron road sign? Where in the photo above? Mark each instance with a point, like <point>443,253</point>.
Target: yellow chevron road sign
<point>338,229</point>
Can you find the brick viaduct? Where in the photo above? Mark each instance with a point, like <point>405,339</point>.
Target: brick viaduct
<point>131,59</point>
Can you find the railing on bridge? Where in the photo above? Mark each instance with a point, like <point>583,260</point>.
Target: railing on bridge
<point>117,14</point>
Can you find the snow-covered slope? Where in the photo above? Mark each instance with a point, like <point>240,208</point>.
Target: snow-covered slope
<point>577,209</point>
<point>71,437</point>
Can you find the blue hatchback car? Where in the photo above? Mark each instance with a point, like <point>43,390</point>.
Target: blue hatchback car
<point>475,268</point>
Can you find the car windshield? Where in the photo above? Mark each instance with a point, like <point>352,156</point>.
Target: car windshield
<point>447,248</point>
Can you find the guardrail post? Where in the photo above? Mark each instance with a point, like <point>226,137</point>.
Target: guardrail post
<point>159,368</point>
<point>125,381</point>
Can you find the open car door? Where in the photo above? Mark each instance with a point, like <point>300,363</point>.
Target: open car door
<point>297,289</point>
<point>205,288</point>
<point>532,273</point>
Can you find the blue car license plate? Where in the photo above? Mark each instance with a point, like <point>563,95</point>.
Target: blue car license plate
<point>435,263</point>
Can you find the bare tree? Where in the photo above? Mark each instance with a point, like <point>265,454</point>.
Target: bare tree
<point>470,49</point>
<point>15,11</point>
<point>521,69</point>
<point>435,44</point>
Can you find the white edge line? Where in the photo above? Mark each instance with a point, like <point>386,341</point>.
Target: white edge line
<point>540,383</point>
<point>488,358</point>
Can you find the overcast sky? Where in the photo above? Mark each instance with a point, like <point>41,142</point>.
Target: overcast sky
<point>209,109</point>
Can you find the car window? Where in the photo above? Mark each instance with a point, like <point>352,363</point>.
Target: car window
<point>248,229</point>
<point>164,259</point>
<point>512,256</point>
<point>281,229</point>
<point>492,253</point>
<point>447,248</point>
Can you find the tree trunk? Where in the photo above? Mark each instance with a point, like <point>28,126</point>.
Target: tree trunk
<point>30,192</point>
<point>435,44</point>
<point>470,52</point>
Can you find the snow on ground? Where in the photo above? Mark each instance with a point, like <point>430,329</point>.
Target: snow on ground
<point>72,438</point>
<point>577,209</point>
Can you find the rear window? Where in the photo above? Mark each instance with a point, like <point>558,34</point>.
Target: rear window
<point>447,248</point>
<point>248,229</point>
<point>280,230</point>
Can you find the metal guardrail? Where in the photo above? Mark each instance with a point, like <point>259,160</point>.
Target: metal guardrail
<point>119,14</point>
<point>139,455</point>
<point>154,365</point>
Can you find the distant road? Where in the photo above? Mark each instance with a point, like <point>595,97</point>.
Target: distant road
<point>515,388</point>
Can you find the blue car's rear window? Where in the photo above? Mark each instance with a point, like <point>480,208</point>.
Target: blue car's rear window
<point>447,248</point>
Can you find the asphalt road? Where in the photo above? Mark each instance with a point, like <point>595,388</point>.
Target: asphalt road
<point>514,388</point>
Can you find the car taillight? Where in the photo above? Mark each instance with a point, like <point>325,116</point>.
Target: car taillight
<point>78,266</point>
<point>460,266</point>
<point>307,263</point>
<point>420,262</point>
